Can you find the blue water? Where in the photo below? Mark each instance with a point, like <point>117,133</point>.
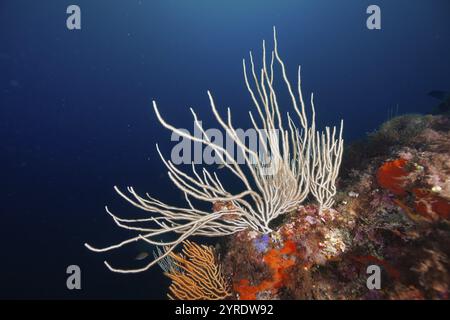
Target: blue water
<point>76,117</point>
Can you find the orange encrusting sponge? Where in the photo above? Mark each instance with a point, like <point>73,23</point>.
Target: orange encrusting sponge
<point>278,260</point>
<point>391,176</point>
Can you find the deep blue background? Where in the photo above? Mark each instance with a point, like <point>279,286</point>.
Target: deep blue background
<point>76,117</point>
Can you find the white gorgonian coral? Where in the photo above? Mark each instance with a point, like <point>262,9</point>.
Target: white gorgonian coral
<point>302,160</point>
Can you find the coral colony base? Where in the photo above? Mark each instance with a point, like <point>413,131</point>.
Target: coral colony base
<point>391,210</point>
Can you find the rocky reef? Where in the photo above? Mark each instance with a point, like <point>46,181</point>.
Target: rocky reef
<point>392,211</point>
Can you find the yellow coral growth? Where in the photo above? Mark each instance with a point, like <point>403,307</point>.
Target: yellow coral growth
<point>198,276</point>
